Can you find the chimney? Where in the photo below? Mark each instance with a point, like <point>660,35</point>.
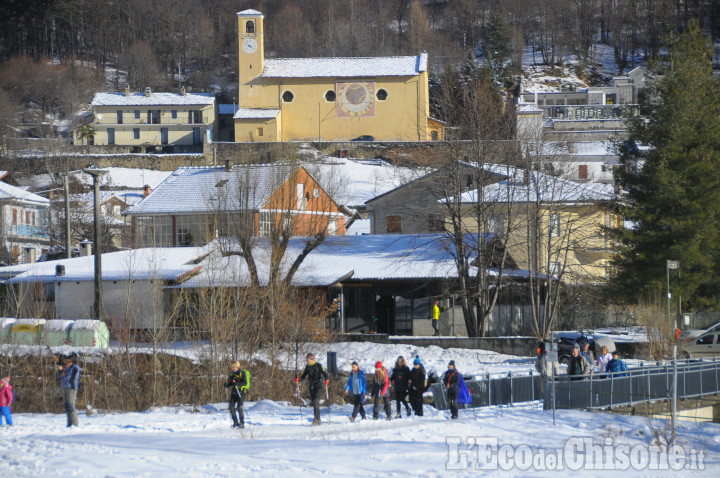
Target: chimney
<point>127,89</point>
<point>182,91</point>
<point>146,190</point>
<point>227,165</point>
<point>148,91</point>
<point>29,255</point>
<point>85,248</point>
<point>59,270</point>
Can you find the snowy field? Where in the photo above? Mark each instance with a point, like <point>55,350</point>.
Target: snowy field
<point>279,441</point>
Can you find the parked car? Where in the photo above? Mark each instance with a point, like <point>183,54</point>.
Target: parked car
<point>365,137</point>
<point>694,333</point>
<point>707,345</point>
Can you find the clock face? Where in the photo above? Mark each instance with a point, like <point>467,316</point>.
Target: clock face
<point>249,45</point>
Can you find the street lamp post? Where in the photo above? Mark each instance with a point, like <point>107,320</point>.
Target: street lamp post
<point>96,174</point>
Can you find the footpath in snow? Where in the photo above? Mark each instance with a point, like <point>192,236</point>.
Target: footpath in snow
<point>279,441</point>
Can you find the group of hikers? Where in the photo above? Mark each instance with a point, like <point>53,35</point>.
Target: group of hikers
<point>583,362</point>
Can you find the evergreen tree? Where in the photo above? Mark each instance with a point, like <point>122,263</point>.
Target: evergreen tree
<point>672,184</point>
<point>497,46</point>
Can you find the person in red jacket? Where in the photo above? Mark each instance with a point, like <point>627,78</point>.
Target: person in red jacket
<point>6,399</point>
<point>381,390</point>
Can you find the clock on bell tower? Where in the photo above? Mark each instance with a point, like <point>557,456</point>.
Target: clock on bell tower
<point>251,54</point>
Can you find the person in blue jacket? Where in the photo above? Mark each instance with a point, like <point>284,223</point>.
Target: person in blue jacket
<point>357,387</point>
<point>69,376</point>
<point>617,365</point>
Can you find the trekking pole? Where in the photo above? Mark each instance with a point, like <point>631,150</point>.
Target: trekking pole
<point>297,392</point>
<point>327,400</point>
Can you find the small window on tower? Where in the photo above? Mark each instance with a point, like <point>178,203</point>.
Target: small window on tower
<point>330,96</point>
<point>250,27</point>
<point>381,94</point>
<point>288,97</point>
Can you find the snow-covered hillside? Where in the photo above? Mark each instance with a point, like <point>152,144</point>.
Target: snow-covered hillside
<point>279,441</point>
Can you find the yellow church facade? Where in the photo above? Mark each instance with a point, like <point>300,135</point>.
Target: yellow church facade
<point>329,99</point>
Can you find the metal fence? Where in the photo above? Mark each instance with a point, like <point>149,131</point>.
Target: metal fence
<point>645,384</point>
<point>510,388</point>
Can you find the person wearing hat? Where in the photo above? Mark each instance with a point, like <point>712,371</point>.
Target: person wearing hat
<point>69,376</point>
<point>357,387</point>
<point>6,399</point>
<point>316,375</point>
<point>579,367</point>
<point>381,390</point>
<point>416,385</point>
<point>436,318</point>
<point>616,365</point>
<point>451,379</point>
<point>239,382</point>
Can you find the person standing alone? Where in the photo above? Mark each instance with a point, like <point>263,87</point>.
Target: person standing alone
<point>239,382</point>
<point>6,399</point>
<point>69,376</point>
<point>436,319</point>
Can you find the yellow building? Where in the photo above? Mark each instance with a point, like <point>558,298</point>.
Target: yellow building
<point>286,99</point>
<point>150,119</point>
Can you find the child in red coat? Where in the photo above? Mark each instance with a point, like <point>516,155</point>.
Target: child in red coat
<point>6,399</point>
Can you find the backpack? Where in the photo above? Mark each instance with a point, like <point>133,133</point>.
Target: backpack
<point>246,387</point>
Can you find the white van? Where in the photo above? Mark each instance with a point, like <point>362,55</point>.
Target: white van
<point>707,345</point>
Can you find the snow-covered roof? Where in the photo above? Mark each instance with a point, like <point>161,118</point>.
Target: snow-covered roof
<point>255,113</point>
<point>249,12</point>
<point>363,257</point>
<point>367,67</point>
<point>125,178</point>
<point>542,187</point>
<point>151,263</point>
<point>128,197</point>
<point>155,99</point>
<point>13,193</point>
<point>201,189</point>
<point>577,148</point>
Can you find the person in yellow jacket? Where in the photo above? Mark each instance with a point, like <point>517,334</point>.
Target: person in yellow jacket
<point>436,319</point>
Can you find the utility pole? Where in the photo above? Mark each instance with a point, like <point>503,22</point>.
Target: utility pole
<point>96,174</point>
<point>68,239</point>
<point>673,412</point>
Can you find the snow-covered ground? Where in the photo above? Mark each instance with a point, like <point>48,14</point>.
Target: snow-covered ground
<point>279,441</point>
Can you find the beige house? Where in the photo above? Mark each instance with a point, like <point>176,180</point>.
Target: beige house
<point>149,119</point>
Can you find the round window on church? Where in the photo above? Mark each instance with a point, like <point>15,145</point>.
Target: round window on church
<point>381,94</point>
<point>288,97</point>
<point>330,96</point>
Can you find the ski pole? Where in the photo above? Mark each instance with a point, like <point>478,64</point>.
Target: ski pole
<point>327,400</point>
<point>297,388</point>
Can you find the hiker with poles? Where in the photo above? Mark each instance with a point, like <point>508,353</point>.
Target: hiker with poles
<point>316,375</point>
<point>239,380</point>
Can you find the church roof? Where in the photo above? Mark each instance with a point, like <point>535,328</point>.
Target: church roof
<point>367,67</point>
<point>249,12</point>
<point>255,113</point>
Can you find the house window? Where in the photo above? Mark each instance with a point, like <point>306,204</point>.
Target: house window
<point>330,96</point>
<point>184,238</point>
<point>136,133</point>
<point>153,116</point>
<point>554,225</point>
<point>34,219</point>
<point>265,223</point>
<point>137,114</point>
<point>496,225</point>
<point>195,116</point>
<point>436,223</point>
<point>583,171</point>
<point>332,228</point>
<point>259,132</point>
<point>288,97</point>
<point>300,196</point>
<point>394,224</point>
<point>250,27</point>
<point>197,136</point>
<point>381,94</point>
<point>111,135</point>
<point>27,217</point>
<point>15,215</point>
<point>164,136</point>
<point>173,114</point>
<point>287,225</point>
<point>119,117</point>
<point>116,210</point>
<point>434,136</point>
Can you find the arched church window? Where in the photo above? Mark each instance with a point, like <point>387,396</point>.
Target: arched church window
<point>250,27</point>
